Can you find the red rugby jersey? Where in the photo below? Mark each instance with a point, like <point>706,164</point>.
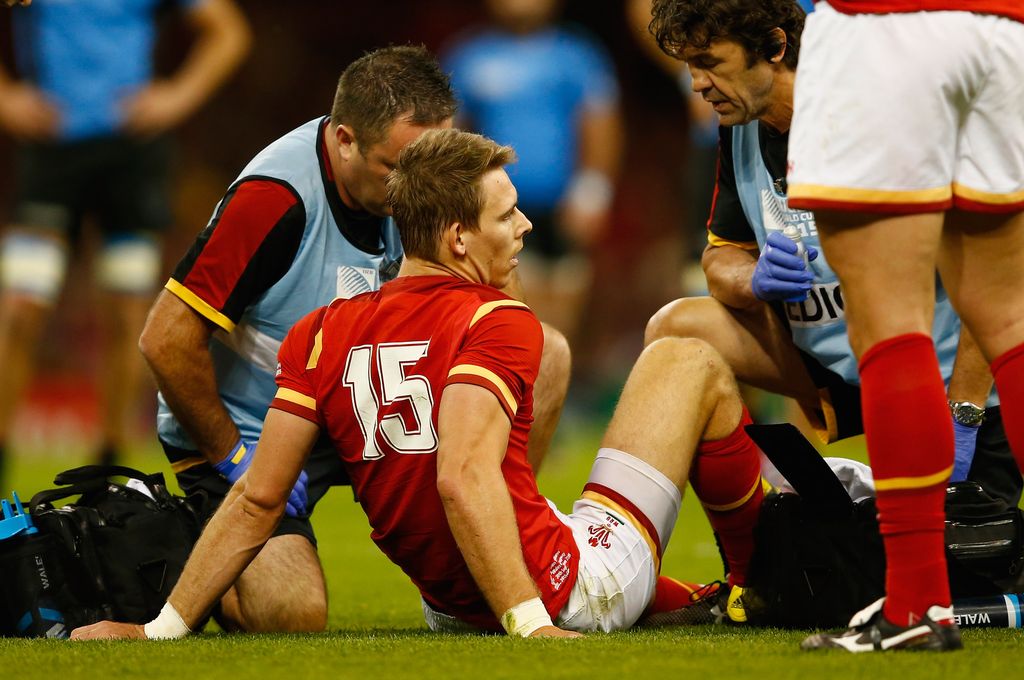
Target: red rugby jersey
<point>370,371</point>
<point>1008,8</point>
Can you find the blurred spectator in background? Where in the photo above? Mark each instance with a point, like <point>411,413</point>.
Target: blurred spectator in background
<point>699,172</point>
<point>551,93</point>
<point>91,124</point>
<point>11,3</point>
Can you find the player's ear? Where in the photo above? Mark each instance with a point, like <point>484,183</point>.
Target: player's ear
<point>455,239</point>
<point>346,139</point>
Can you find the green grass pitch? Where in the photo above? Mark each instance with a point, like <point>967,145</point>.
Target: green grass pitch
<point>376,628</point>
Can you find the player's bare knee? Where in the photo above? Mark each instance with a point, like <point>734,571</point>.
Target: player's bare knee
<point>691,361</point>
<point>678,319</point>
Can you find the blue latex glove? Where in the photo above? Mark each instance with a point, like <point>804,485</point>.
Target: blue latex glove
<point>966,438</point>
<point>780,273</point>
<point>239,460</point>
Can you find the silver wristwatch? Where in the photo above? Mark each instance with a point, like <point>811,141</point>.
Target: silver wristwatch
<point>966,413</point>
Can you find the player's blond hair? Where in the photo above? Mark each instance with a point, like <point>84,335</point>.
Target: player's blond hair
<point>437,183</point>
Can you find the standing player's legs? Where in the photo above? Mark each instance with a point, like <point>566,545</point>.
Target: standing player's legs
<point>873,151</point>
<point>128,270</point>
<point>889,314</point>
<point>33,263</point>
<point>981,263</point>
<point>131,198</point>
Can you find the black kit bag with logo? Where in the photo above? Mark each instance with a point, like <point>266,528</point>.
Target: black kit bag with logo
<point>115,553</point>
<point>819,558</point>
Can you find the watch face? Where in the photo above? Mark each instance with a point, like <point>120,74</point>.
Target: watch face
<point>967,413</point>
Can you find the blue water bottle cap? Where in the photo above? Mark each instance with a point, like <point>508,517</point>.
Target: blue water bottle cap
<point>15,522</point>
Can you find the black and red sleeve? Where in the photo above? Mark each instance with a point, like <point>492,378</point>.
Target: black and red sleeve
<point>249,244</point>
<point>727,224</point>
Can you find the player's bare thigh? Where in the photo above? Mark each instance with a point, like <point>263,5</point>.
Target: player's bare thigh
<point>754,342</point>
<point>282,590</point>
<point>982,262</point>
<point>886,267</point>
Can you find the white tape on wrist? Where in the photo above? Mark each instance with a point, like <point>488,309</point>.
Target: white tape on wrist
<point>525,618</point>
<point>167,626</point>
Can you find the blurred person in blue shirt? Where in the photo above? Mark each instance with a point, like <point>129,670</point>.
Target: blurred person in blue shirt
<point>550,91</point>
<point>90,119</point>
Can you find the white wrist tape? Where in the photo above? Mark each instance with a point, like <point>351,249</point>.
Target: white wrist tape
<point>167,626</point>
<point>525,618</point>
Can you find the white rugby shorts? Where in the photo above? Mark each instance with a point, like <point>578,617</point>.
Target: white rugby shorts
<point>908,113</point>
<point>622,523</point>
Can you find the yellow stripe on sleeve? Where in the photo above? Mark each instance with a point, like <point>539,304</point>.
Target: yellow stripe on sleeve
<point>900,483</point>
<point>318,345</point>
<point>200,305</point>
<point>296,398</point>
<point>491,377</point>
<point>718,242</point>
<point>488,307</point>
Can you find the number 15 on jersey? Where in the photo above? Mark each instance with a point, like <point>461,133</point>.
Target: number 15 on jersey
<point>370,398</point>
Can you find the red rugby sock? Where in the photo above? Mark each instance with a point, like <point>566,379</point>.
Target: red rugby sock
<point>726,476</point>
<point>910,444</point>
<point>1008,370</point>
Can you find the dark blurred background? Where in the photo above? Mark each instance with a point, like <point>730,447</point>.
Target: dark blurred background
<point>300,48</point>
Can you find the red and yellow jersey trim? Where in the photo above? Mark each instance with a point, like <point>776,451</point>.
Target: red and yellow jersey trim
<point>493,379</point>
<point>296,403</point>
<point>200,305</point>
<point>488,307</point>
<point>318,346</point>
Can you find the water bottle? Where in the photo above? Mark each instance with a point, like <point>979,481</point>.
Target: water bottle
<point>30,577</point>
<point>993,611</point>
<point>793,234</point>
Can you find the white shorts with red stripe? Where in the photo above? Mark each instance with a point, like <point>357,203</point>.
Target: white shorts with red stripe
<point>908,113</point>
<point>621,524</point>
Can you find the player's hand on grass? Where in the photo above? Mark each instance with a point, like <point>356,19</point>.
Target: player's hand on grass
<point>110,630</point>
<point>26,113</point>
<point>239,460</point>
<point>554,632</point>
<point>781,273</point>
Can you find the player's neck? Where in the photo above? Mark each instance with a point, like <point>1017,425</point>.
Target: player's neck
<point>414,266</point>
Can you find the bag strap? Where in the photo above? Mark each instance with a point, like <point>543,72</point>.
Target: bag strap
<point>91,472</point>
<point>91,478</point>
<point>801,464</point>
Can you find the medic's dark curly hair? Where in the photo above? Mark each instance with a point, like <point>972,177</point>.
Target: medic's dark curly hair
<point>695,23</point>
